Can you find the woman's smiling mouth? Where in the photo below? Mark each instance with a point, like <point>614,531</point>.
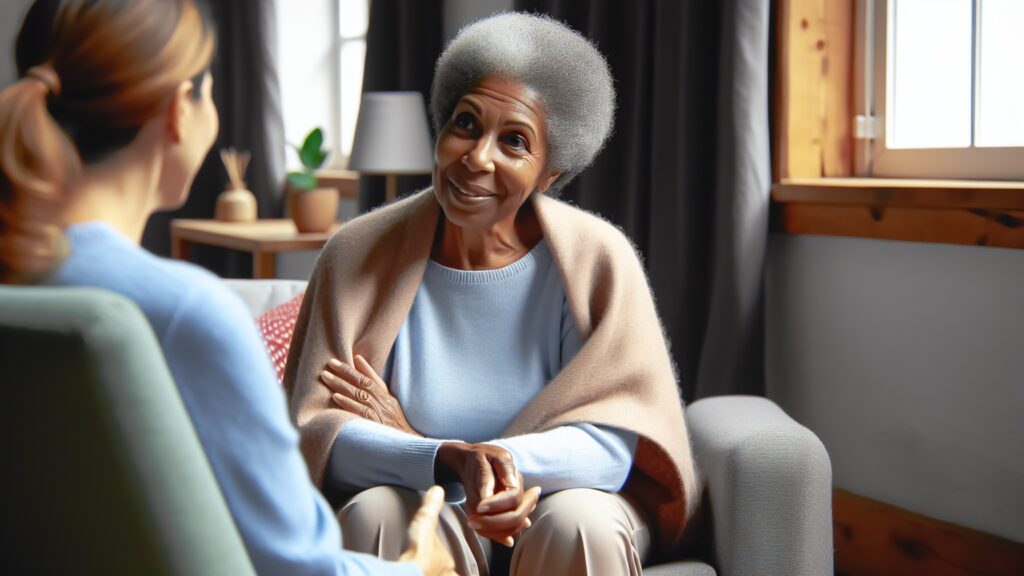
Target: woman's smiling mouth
<point>469,195</point>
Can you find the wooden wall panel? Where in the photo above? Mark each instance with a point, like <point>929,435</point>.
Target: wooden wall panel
<point>977,227</point>
<point>876,539</point>
<point>949,211</point>
<point>814,89</point>
<point>837,74</point>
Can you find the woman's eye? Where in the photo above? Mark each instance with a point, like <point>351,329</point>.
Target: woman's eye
<point>516,141</point>
<point>464,121</point>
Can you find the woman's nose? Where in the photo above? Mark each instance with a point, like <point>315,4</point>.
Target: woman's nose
<point>481,157</point>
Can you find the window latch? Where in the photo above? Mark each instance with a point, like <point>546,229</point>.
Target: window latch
<point>864,127</point>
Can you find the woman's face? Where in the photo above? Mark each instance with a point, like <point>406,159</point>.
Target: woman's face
<point>197,124</point>
<point>491,155</point>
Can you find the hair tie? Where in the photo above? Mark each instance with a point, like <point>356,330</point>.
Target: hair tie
<point>47,76</point>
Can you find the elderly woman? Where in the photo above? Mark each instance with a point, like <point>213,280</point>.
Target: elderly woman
<point>484,335</point>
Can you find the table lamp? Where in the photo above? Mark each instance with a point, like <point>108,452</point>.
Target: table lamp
<point>392,138</point>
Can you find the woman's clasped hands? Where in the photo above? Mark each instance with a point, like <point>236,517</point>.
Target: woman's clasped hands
<point>497,501</point>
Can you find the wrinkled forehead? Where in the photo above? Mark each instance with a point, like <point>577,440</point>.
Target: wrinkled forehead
<point>511,95</point>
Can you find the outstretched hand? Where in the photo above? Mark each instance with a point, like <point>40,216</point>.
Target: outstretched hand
<point>356,388</point>
<point>425,548</point>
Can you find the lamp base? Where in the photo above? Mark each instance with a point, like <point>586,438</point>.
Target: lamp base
<point>390,187</point>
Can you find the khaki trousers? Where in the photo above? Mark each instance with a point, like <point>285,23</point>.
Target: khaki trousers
<point>574,533</point>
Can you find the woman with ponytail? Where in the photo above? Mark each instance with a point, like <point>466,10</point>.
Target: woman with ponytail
<point>109,123</point>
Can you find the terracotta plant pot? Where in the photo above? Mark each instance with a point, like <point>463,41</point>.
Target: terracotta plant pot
<point>313,210</point>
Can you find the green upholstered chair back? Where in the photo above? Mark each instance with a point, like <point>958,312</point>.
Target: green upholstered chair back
<point>103,472</point>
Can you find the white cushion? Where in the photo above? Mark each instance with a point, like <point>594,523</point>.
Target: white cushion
<point>262,295</point>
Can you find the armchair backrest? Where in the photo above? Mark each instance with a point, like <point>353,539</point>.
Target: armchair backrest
<point>103,471</point>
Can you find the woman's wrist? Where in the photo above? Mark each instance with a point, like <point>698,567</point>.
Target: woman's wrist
<point>448,462</point>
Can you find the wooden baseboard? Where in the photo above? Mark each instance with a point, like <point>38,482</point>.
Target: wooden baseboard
<point>876,539</point>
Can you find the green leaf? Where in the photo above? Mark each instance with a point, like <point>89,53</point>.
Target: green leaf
<point>312,155</point>
<point>314,140</point>
<point>321,158</point>
<point>302,181</point>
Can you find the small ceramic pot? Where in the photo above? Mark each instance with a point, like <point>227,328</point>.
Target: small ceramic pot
<point>236,206</point>
<point>313,210</point>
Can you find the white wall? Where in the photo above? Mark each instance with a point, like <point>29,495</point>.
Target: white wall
<point>907,359</point>
<point>11,14</point>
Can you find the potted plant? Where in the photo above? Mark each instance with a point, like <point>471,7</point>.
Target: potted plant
<point>312,208</point>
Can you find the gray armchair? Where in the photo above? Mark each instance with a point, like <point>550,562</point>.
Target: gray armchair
<point>767,480</point>
<point>768,488</point>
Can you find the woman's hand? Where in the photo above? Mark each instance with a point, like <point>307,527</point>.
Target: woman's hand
<point>425,548</point>
<point>358,389</point>
<point>497,503</point>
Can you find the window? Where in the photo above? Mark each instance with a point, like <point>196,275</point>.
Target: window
<point>826,89</point>
<point>321,54</point>
<point>943,89</point>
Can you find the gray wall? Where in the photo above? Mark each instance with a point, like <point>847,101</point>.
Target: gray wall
<point>11,13</point>
<point>906,359</point>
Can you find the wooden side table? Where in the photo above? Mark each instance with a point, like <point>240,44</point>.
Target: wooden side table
<point>264,239</point>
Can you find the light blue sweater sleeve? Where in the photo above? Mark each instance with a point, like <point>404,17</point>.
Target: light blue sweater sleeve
<point>239,413</point>
<point>370,454</point>
<point>475,398</point>
<point>577,456</point>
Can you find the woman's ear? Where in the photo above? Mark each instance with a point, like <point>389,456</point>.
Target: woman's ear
<point>178,110</point>
<point>547,181</point>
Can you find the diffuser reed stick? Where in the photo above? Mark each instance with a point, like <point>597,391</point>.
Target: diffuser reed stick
<point>235,163</point>
<point>237,203</point>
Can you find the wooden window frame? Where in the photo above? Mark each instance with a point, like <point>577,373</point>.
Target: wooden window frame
<point>814,190</point>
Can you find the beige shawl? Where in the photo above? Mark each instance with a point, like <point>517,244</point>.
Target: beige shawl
<point>363,287</point>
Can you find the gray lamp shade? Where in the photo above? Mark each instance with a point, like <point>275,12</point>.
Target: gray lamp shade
<point>392,136</point>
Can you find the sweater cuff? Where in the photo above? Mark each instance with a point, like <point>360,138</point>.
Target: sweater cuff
<point>418,455</point>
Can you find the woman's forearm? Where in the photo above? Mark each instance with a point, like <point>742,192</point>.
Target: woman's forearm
<point>575,456</point>
<point>367,454</point>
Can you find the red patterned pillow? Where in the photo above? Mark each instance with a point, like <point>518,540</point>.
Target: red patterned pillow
<point>276,327</point>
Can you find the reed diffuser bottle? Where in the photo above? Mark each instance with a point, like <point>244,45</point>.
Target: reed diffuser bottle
<point>237,203</point>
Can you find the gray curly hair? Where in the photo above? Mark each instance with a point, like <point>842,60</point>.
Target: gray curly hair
<point>569,75</point>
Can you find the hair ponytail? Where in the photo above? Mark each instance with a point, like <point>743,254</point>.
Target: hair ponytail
<point>94,71</point>
<point>36,160</point>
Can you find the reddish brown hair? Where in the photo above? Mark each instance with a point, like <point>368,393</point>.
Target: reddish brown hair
<point>93,72</point>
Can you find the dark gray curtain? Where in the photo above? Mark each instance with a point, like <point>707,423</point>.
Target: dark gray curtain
<point>687,172</point>
<point>248,99</point>
<point>403,41</point>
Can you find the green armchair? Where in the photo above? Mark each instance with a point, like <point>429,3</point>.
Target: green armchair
<point>105,474</point>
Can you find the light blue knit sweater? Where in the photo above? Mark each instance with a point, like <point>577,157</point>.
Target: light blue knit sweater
<point>476,347</point>
<point>231,393</point>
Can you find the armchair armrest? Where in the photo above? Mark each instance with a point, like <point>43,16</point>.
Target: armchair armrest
<point>769,485</point>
